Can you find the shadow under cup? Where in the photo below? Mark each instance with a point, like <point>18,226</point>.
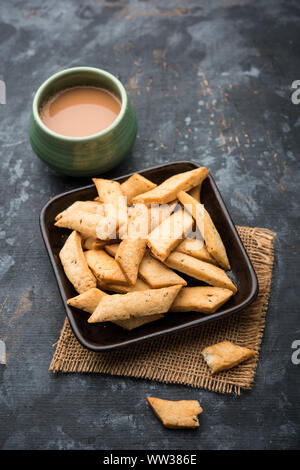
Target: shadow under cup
<point>83,156</point>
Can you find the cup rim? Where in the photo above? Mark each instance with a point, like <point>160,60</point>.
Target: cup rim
<point>53,77</point>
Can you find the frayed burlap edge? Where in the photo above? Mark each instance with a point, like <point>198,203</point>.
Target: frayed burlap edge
<point>177,358</point>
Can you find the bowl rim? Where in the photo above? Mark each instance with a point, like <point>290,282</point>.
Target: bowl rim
<point>96,71</point>
<point>173,329</point>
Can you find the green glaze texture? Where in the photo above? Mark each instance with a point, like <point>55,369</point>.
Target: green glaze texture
<point>83,156</point>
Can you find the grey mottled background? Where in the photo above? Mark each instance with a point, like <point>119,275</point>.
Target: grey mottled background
<point>211,82</point>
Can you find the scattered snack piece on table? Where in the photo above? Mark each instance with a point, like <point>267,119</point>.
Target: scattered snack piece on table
<point>134,304</point>
<point>135,185</point>
<point>225,355</point>
<point>201,299</point>
<point>200,270</point>
<point>168,190</point>
<point>75,265</point>
<point>176,414</point>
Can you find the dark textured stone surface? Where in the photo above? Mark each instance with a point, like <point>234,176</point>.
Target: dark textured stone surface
<point>210,82</point>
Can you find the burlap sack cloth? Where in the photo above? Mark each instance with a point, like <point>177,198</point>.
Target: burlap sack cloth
<point>176,358</point>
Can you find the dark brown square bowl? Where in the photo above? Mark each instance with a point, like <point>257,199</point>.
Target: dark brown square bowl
<point>105,336</point>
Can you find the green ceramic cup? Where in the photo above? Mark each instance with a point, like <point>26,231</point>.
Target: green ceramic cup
<point>83,156</point>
